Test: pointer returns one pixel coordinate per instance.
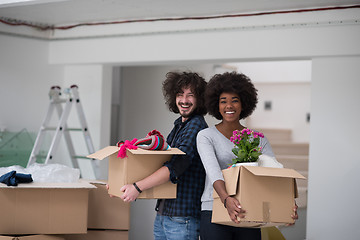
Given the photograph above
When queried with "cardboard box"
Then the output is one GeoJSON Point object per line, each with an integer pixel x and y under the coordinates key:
{"type": "Point", "coordinates": [139, 164]}
{"type": "Point", "coordinates": [44, 208]}
{"type": "Point", "coordinates": [99, 235]}
{"type": "Point", "coordinates": [107, 212]}
{"type": "Point", "coordinates": [31, 237]}
{"type": "Point", "coordinates": [267, 194]}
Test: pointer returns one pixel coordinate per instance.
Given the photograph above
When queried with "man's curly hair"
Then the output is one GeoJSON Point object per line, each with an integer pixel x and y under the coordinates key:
{"type": "Point", "coordinates": [231, 82]}
{"type": "Point", "coordinates": [176, 81]}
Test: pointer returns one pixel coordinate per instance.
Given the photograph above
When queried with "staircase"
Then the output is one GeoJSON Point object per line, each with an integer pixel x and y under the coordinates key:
{"type": "Point", "coordinates": [291, 155]}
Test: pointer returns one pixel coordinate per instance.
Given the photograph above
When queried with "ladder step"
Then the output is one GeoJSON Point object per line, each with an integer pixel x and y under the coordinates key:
{"type": "Point", "coordinates": [58, 101]}
{"type": "Point", "coordinates": [84, 157]}
{"type": "Point", "coordinates": [67, 129]}
{"type": "Point", "coordinates": [74, 129]}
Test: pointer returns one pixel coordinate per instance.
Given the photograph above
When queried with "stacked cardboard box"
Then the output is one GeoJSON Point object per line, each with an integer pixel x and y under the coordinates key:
{"type": "Point", "coordinates": [108, 218]}
{"type": "Point", "coordinates": [34, 209]}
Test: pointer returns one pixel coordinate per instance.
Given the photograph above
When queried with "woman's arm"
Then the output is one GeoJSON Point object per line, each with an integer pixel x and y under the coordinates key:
{"type": "Point", "coordinates": [207, 150]}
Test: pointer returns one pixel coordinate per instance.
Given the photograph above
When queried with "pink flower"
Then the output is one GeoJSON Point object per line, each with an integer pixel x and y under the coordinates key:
{"type": "Point", "coordinates": [247, 141]}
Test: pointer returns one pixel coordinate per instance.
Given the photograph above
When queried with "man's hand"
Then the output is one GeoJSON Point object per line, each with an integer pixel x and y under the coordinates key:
{"type": "Point", "coordinates": [129, 193]}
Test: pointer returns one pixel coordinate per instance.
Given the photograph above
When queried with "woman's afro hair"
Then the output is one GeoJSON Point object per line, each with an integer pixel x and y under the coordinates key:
{"type": "Point", "coordinates": [231, 82]}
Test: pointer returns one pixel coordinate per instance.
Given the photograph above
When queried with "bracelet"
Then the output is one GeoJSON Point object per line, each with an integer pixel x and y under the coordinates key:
{"type": "Point", "coordinates": [137, 188]}
{"type": "Point", "coordinates": [225, 201]}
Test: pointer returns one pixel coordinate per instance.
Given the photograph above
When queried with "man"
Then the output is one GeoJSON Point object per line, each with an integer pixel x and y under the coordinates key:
{"type": "Point", "coordinates": [179, 219]}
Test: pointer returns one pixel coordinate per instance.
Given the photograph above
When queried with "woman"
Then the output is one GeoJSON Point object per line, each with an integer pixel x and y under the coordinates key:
{"type": "Point", "coordinates": [230, 97]}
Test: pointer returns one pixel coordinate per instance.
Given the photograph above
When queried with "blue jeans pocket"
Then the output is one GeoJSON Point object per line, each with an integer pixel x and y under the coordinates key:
{"type": "Point", "coordinates": [182, 220]}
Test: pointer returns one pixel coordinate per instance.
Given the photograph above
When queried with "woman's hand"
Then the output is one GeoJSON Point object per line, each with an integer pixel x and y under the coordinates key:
{"type": "Point", "coordinates": [234, 209]}
{"type": "Point", "coordinates": [294, 215]}
{"type": "Point", "coordinates": [130, 193]}
{"type": "Point", "coordinates": [231, 204]}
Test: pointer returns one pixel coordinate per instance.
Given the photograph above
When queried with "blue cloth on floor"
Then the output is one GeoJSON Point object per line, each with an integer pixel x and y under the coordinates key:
{"type": "Point", "coordinates": [12, 178]}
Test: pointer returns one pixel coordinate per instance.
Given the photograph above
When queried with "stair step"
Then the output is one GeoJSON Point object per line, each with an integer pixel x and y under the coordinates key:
{"type": "Point", "coordinates": [277, 135]}
{"type": "Point", "coordinates": [297, 162]}
{"type": "Point", "coordinates": [290, 148]}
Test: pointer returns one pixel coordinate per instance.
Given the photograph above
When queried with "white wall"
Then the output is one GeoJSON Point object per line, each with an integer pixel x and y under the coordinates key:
{"type": "Point", "coordinates": [286, 84]}
{"type": "Point", "coordinates": [294, 71]}
{"type": "Point", "coordinates": [290, 104]}
{"type": "Point", "coordinates": [26, 59]}
{"type": "Point", "coordinates": [25, 81]}
{"type": "Point", "coordinates": [334, 160]}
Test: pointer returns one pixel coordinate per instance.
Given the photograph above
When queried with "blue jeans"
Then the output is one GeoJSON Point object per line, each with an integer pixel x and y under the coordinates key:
{"type": "Point", "coordinates": [176, 228]}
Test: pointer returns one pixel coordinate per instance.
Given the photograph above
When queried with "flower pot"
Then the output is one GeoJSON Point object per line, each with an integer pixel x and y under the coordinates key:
{"type": "Point", "coordinates": [247, 164]}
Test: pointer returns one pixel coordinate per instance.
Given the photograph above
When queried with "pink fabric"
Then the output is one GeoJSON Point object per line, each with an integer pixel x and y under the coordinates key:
{"type": "Point", "coordinates": [155, 132]}
{"type": "Point", "coordinates": [126, 145]}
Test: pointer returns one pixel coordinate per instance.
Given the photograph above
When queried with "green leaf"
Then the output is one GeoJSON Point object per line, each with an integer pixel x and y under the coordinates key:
{"type": "Point", "coordinates": [235, 151]}
{"type": "Point", "coordinates": [241, 154]}
{"type": "Point", "coordinates": [255, 155]}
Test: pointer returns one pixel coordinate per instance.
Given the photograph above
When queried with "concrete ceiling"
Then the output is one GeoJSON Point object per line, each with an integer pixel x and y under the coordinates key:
{"type": "Point", "coordinates": [62, 12]}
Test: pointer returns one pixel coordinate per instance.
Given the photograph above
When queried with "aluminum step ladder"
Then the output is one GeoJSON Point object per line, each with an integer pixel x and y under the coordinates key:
{"type": "Point", "coordinates": [62, 128]}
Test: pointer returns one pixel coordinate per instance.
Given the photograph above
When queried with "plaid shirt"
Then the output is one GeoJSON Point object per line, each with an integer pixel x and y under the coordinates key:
{"type": "Point", "coordinates": [185, 170]}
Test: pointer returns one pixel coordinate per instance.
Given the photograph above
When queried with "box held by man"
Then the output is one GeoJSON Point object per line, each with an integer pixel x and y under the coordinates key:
{"type": "Point", "coordinates": [138, 164]}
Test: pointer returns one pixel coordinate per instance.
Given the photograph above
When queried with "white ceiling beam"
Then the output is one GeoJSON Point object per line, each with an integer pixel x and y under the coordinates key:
{"type": "Point", "coordinates": [13, 3]}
